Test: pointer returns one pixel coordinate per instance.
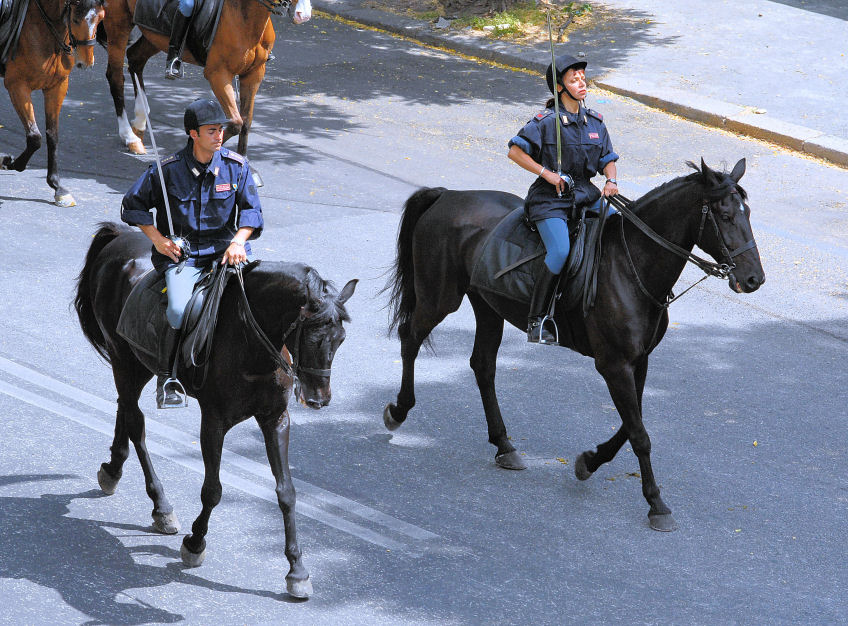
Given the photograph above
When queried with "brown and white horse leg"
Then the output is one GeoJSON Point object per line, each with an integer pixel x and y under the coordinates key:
{"type": "Point", "coordinates": [119, 31]}
{"type": "Point", "coordinates": [21, 97]}
{"type": "Point", "coordinates": [275, 430]}
{"type": "Point", "coordinates": [53, 99]}
{"type": "Point", "coordinates": [248, 88]}
{"type": "Point", "coordinates": [137, 56]}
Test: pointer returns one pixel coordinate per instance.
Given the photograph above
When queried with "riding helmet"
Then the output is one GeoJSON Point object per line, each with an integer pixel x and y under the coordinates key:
{"type": "Point", "coordinates": [563, 63]}
{"type": "Point", "coordinates": [203, 111]}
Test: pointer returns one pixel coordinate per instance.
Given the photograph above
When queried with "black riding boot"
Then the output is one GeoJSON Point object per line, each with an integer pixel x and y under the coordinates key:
{"type": "Point", "coordinates": [169, 392]}
{"type": "Point", "coordinates": [179, 29]}
{"type": "Point", "coordinates": [539, 326]}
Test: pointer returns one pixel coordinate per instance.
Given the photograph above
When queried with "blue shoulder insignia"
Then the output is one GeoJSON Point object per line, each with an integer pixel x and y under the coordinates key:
{"type": "Point", "coordinates": [171, 159]}
{"type": "Point", "coordinates": [543, 114]}
{"type": "Point", "coordinates": [595, 114]}
{"type": "Point", "coordinates": [233, 156]}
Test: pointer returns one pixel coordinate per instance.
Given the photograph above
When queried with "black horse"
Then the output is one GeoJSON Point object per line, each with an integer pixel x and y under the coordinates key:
{"type": "Point", "coordinates": [440, 238]}
{"type": "Point", "coordinates": [243, 377]}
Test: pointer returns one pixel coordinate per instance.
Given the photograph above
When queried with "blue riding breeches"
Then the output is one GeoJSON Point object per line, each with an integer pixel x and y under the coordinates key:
{"type": "Point", "coordinates": [554, 233]}
{"type": "Point", "coordinates": [187, 7]}
{"type": "Point", "coordinates": [179, 289]}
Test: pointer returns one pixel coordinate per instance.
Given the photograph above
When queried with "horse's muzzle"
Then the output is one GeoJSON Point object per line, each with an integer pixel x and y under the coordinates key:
{"type": "Point", "coordinates": [750, 284]}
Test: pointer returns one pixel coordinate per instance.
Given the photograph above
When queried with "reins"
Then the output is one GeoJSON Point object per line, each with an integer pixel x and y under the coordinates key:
{"type": "Point", "coordinates": [66, 15]}
{"type": "Point", "coordinates": [710, 268]}
{"type": "Point", "coordinates": [277, 8]}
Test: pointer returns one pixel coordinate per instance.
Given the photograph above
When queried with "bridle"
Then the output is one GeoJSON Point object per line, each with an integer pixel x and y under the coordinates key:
{"type": "Point", "coordinates": [710, 268]}
{"type": "Point", "coordinates": [277, 7]}
{"type": "Point", "coordinates": [66, 16]}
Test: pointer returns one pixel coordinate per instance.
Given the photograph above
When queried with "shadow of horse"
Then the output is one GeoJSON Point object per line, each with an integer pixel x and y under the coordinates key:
{"type": "Point", "coordinates": [88, 566]}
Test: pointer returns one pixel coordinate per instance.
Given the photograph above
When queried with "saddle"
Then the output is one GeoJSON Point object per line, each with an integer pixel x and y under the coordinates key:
{"type": "Point", "coordinates": [158, 16]}
{"type": "Point", "coordinates": [513, 254]}
{"type": "Point", "coordinates": [12, 14]}
{"type": "Point", "coordinates": [143, 319]}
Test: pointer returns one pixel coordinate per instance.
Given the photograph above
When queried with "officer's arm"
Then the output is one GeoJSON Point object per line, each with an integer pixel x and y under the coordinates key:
{"type": "Point", "coordinates": [137, 202]}
{"type": "Point", "coordinates": [250, 208]}
{"type": "Point", "coordinates": [524, 160]}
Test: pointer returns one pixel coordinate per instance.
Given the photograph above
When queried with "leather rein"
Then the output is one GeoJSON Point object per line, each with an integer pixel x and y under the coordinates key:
{"type": "Point", "coordinates": [710, 268]}
{"type": "Point", "coordinates": [66, 16]}
{"type": "Point", "coordinates": [277, 7]}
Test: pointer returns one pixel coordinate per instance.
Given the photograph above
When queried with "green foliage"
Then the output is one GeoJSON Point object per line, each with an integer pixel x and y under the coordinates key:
{"type": "Point", "coordinates": [514, 21]}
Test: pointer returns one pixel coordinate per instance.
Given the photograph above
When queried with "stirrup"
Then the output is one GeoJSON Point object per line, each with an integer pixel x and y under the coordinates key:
{"type": "Point", "coordinates": [541, 330]}
{"type": "Point", "coordinates": [174, 69]}
{"type": "Point", "coordinates": [172, 386]}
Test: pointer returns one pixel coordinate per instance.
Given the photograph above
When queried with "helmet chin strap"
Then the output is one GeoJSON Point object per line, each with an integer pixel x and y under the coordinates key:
{"type": "Point", "coordinates": [565, 89]}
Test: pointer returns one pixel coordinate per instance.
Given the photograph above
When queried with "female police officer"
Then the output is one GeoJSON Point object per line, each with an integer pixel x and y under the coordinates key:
{"type": "Point", "coordinates": [214, 208]}
{"type": "Point", "coordinates": [551, 199]}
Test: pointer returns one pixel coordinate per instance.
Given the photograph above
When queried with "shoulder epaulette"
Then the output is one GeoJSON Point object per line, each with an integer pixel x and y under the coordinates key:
{"type": "Point", "coordinates": [234, 156]}
{"type": "Point", "coordinates": [595, 114]}
{"type": "Point", "coordinates": [542, 114]}
{"type": "Point", "coordinates": [171, 159]}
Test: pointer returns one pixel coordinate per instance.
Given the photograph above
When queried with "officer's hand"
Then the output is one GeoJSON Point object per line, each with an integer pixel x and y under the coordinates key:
{"type": "Point", "coordinates": [168, 248]}
{"type": "Point", "coordinates": [610, 189]}
{"type": "Point", "coordinates": [234, 254]}
{"type": "Point", "coordinates": [554, 179]}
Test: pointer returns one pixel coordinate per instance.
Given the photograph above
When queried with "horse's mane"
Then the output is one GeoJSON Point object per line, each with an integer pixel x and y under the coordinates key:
{"type": "Point", "coordinates": [321, 295]}
{"type": "Point", "coordinates": [725, 182]}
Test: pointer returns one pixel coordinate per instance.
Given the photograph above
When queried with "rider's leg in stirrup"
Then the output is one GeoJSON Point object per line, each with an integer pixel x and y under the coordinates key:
{"type": "Point", "coordinates": [179, 284]}
{"type": "Point", "coordinates": [541, 327]}
{"type": "Point", "coordinates": [179, 30]}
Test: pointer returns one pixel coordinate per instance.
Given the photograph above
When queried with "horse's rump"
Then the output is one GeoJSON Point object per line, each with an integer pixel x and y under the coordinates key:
{"type": "Point", "coordinates": [158, 17]}
{"type": "Point", "coordinates": [12, 14]}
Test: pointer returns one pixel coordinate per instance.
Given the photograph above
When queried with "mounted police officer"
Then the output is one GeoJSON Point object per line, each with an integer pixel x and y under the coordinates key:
{"type": "Point", "coordinates": [553, 198]}
{"type": "Point", "coordinates": [214, 208]}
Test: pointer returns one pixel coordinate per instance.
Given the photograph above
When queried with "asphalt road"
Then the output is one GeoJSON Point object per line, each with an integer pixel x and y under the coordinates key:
{"type": "Point", "coordinates": [745, 398]}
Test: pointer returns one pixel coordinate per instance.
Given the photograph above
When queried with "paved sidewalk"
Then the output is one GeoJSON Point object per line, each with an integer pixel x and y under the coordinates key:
{"type": "Point", "coordinates": [761, 68]}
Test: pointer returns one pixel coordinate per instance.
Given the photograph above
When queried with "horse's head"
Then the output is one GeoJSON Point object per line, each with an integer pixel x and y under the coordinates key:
{"type": "Point", "coordinates": [725, 227]}
{"type": "Point", "coordinates": [83, 16]}
{"type": "Point", "coordinates": [320, 334]}
{"type": "Point", "coordinates": [300, 12]}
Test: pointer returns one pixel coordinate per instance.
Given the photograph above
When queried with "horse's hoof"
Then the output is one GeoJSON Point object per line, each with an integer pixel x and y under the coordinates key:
{"type": "Point", "coordinates": [5, 162]}
{"type": "Point", "coordinates": [664, 523]}
{"type": "Point", "coordinates": [299, 588]}
{"type": "Point", "coordinates": [136, 147]}
{"type": "Point", "coordinates": [510, 461]}
{"type": "Point", "coordinates": [581, 470]}
{"type": "Point", "coordinates": [388, 420]}
{"type": "Point", "coordinates": [166, 523]}
{"type": "Point", "coordinates": [108, 485]}
{"type": "Point", "coordinates": [65, 200]}
{"type": "Point", "coordinates": [190, 559]}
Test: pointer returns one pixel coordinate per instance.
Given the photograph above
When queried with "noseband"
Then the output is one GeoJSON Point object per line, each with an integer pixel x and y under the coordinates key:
{"type": "Point", "coordinates": [66, 16]}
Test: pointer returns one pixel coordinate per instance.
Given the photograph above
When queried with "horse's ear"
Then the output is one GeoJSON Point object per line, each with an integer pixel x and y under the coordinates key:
{"type": "Point", "coordinates": [347, 291]}
{"type": "Point", "coordinates": [738, 170]}
{"type": "Point", "coordinates": [708, 174]}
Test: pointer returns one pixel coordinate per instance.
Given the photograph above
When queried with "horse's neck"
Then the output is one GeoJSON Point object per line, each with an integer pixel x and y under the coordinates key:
{"type": "Point", "coordinates": [252, 15]}
{"type": "Point", "coordinates": [673, 217]}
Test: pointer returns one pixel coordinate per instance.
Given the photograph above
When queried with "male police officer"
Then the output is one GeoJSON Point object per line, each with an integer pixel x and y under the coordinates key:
{"type": "Point", "coordinates": [214, 208]}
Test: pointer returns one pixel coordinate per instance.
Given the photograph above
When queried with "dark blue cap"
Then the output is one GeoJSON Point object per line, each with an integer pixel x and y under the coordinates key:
{"type": "Point", "coordinates": [563, 63]}
{"type": "Point", "coordinates": [203, 111]}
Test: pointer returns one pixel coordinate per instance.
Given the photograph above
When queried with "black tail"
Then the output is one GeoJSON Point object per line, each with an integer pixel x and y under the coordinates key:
{"type": "Point", "coordinates": [83, 300]}
{"type": "Point", "coordinates": [401, 285]}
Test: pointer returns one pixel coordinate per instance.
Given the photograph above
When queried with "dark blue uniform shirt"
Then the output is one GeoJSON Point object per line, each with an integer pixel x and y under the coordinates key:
{"type": "Point", "coordinates": [586, 150]}
{"type": "Point", "coordinates": [208, 205]}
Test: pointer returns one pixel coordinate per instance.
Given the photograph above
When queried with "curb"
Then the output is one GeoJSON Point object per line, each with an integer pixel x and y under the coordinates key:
{"type": "Point", "coordinates": [733, 117]}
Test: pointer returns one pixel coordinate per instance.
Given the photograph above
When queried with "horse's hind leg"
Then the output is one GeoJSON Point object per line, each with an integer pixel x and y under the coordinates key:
{"type": "Point", "coordinates": [275, 430]}
{"type": "Point", "coordinates": [193, 550]}
{"type": "Point", "coordinates": [137, 57]}
{"type": "Point", "coordinates": [487, 340]}
{"type": "Point", "coordinates": [622, 381]}
{"type": "Point", "coordinates": [53, 99]}
{"type": "Point", "coordinates": [119, 25]}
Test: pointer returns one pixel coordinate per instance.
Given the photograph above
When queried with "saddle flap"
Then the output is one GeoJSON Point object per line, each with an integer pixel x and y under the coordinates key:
{"type": "Point", "coordinates": [143, 319]}
{"type": "Point", "coordinates": [12, 14]}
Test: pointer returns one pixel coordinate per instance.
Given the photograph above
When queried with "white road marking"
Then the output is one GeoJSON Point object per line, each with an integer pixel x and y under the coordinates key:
{"type": "Point", "coordinates": [312, 500]}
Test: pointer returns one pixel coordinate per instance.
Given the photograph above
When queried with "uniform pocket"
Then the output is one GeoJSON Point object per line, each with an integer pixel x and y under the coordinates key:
{"type": "Point", "coordinates": [219, 209]}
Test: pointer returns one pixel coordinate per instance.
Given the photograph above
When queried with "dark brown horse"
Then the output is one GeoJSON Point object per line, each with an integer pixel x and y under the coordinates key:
{"type": "Point", "coordinates": [241, 46]}
{"type": "Point", "coordinates": [440, 239]}
{"type": "Point", "coordinates": [55, 36]}
{"type": "Point", "coordinates": [295, 309]}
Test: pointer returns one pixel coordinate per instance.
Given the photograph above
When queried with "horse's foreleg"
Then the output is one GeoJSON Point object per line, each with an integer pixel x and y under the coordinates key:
{"type": "Point", "coordinates": [412, 335]}
{"type": "Point", "coordinates": [119, 31]}
{"type": "Point", "coordinates": [622, 384]}
{"type": "Point", "coordinates": [248, 88]}
{"type": "Point", "coordinates": [588, 462]}
{"type": "Point", "coordinates": [276, 434]}
{"type": "Point", "coordinates": [20, 95]}
{"type": "Point", "coordinates": [137, 56]}
{"type": "Point", "coordinates": [487, 340]}
{"type": "Point", "coordinates": [221, 82]}
{"type": "Point", "coordinates": [53, 99]}
{"type": "Point", "coordinates": [193, 550]}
